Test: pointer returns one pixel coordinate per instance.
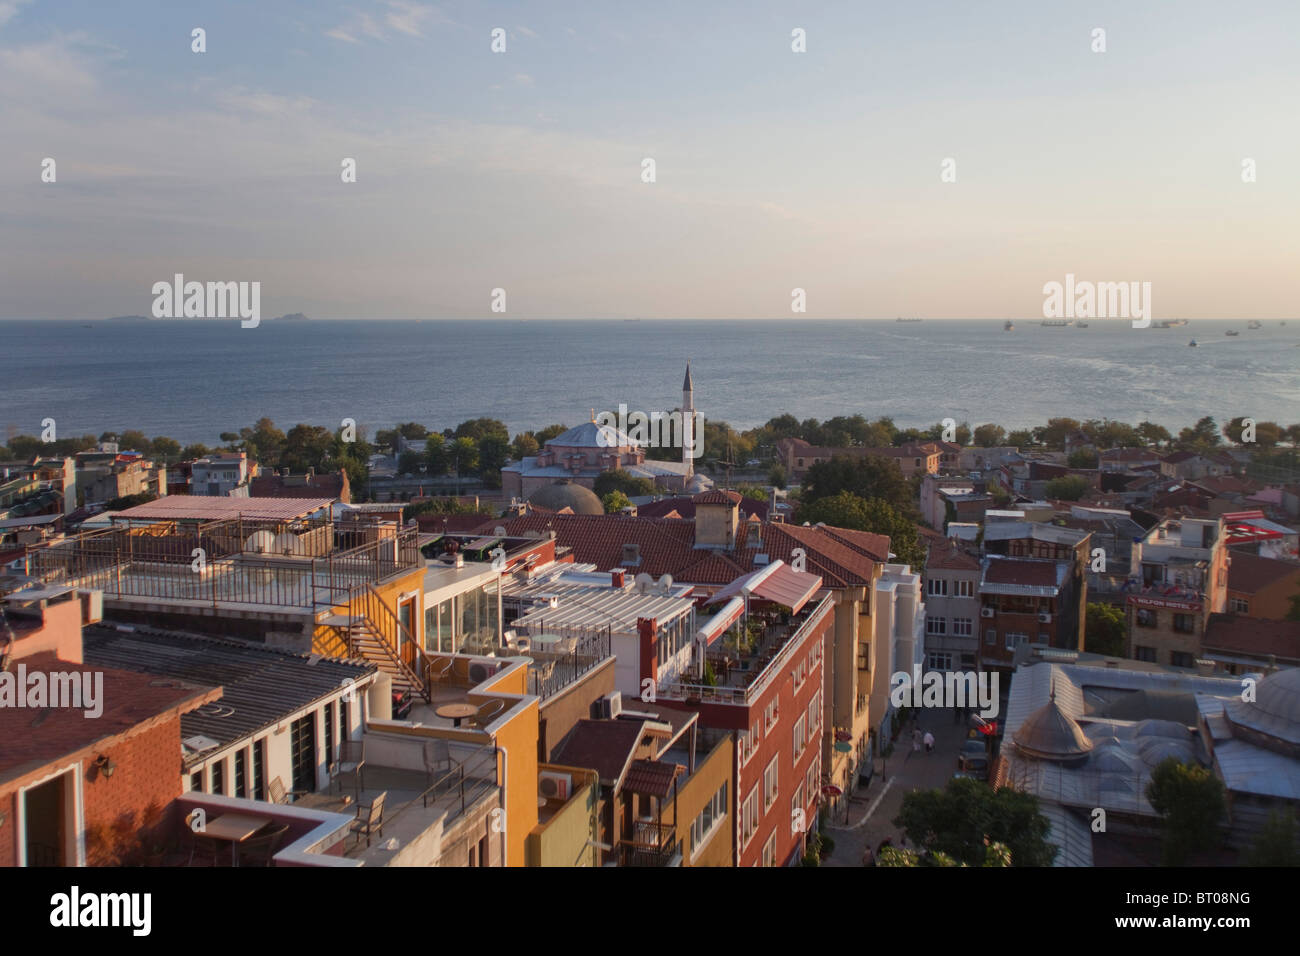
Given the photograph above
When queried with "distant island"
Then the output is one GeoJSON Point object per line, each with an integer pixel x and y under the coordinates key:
{"type": "Point", "coordinates": [292, 317]}
{"type": "Point", "coordinates": [129, 318]}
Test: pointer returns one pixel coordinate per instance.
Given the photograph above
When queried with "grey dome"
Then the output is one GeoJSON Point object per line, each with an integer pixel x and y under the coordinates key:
{"type": "Point", "coordinates": [1049, 733]}
{"type": "Point", "coordinates": [565, 494]}
{"type": "Point", "coordinates": [1275, 711]}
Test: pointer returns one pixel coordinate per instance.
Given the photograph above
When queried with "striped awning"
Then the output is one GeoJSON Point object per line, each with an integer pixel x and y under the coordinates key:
{"type": "Point", "coordinates": [778, 583]}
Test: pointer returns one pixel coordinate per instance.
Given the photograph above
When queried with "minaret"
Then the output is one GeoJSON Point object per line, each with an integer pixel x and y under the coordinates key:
{"type": "Point", "coordinates": [688, 422]}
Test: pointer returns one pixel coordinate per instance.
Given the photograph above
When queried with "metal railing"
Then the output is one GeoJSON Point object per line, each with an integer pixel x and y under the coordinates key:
{"type": "Point", "coordinates": [551, 672]}
{"type": "Point", "coordinates": [459, 788]}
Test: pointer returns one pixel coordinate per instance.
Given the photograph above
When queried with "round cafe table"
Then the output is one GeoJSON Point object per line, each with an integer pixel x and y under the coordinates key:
{"type": "Point", "coordinates": [456, 712]}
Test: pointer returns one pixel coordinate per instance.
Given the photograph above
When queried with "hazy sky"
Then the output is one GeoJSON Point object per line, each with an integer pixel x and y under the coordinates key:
{"type": "Point", "coordinates": [775, 169]}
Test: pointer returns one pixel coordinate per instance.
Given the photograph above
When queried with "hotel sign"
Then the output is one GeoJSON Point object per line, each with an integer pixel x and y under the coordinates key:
{"type": "Point", "coordinates": [1141, 601]}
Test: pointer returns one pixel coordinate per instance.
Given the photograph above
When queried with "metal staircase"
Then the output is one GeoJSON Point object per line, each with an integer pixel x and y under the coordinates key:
{"type": "Point", "coordinates": [371, 631]}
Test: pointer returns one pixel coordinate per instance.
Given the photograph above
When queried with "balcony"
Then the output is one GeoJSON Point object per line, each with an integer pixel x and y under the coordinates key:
{"type": "Point", "coordinates": [746, 660]}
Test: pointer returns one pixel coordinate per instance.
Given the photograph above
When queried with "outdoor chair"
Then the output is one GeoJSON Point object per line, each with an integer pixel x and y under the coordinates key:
{"type": "Point", "coordinates": [351, 760]}
{"type": "Point", "coordinates": [207, 849]}
{"type": "Point", "coordinates": [260, 848]}
{"type": "Point", "coordinates": [277, 794]}
{"type": "Point", "coordinates": [437, 757]}
{"type": "Point", "coordinates": [486, 713]}
{"type": "Point", "coordinates": [370, 818]}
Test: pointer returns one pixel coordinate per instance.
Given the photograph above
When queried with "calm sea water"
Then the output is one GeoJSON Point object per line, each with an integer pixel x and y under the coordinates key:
{"type": "Point", "coordinates": [193, 380]}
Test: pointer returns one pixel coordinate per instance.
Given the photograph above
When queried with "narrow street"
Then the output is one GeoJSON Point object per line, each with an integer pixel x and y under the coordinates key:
{"type": "Point", "coordinates": [872, 810]}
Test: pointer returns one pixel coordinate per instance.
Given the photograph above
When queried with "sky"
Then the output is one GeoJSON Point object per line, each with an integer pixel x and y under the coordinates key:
{"type": "Point", "coordinates": [774, 170]}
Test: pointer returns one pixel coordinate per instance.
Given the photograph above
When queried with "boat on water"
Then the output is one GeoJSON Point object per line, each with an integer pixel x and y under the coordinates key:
{"type": "Point", "coordinates": [907, 320]}
{"type": "Point", "coordinates": [1081, 325]}
{"type": "Point", "coordinates": [1009, 327]}
{"type": "Point", "coordinates": [1056, 323]}
{"type": "Point", "coordinates": [1192, 343]}
{"type": "Point", "coordinates": [1170, 324]}
{"type": "Point", "coordinates": [1232, 332]}
{"type": "Point", "coordinates": [1254, 324]}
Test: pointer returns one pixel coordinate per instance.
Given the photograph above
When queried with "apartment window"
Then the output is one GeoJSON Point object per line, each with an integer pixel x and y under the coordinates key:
{"type": "Point", "coordinates": [749, 816]}
{"type": "Point", "coordinates": [936, 625]}
{"type": "Point", "coordinates": [219, 777]}
{"type": "Point", "coordinates": [241, 773]}
{"type": "Point", "coordinates": [1015, 639]}
{"type": "Point", "coordinates": [329, 733]}
{"type": "Point", "coordinates": [938, 587]}
{"type": "Point", "coordinates": [813, 778]}
{"type": "Point", "coordinates": [749, 742]}
{"type": "Point", "coordinates": [709, 819]}
{"type": "Point", "coordinates": [814, 713]}
{"type": "Point", "coordinates": [1238, 606]}
{"type": "Point", "coordinates": [965, 589]}
{"type": "Point", "coordinates": [963, 626]}
{"type": "Point", "coordinates": [1185, 623]}
{"type": "Point", "coordinates": [769, 850]}
{"type": "Point", "coordinates": [800, 736]}
{"type": "Point", "coordinates": [797, 809]}
{"type": "Point", "coordinates": [259, 769]}
{"type": "Point", "coordinates": [771, 784]}
{"type": "Point", "coordinates": [1141, 653]}
{"type": "Point", "coordinates": [940, 661]}
{"type": "Point", "coordinates": [771, 714]}
{"type": "Point", "coordinates": [1146, 617]}
{"type": "Point", "coordinates": [990, 636]}
{"type": "Point", "coordinates": [800, 673]}
{"type": "Point", "coordinates": [196, 781]}
{"type": "Point", "coordinates": [1182, 659]}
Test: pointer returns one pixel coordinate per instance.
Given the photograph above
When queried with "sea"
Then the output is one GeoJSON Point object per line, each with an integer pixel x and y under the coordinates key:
{"type": "Point", "coordinates": [193, 379]}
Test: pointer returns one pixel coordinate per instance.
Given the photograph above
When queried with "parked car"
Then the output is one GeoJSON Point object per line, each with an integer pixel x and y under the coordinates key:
{"type": "Point", "coordinates": [973, 747]}
{"type": "Point", "coordinates": [972, 766]}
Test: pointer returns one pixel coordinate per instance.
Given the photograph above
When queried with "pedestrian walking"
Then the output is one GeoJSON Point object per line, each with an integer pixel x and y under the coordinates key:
{"type": "Point", "coordinates": [929, 743]}
{"type": "Point", "coordinates": [916, 741]}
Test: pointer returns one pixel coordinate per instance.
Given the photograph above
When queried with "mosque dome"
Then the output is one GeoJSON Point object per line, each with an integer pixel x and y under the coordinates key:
{"type": "Point", "coordinates": [1049, 733]}
{"type": "Point", "coordinates": [565, 494]}
{"type": "Point", "coordinates": [1272, 719]}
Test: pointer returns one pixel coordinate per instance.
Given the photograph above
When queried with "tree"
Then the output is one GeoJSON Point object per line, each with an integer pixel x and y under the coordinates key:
{"type": "Point", "coordinates": [1067, 488]}
{"type": "Point", "coordinates": [524, 446]}
{"type": "Point", "coordinates": [1190, 799]}
{"type": "Point", "coordinates": [753, 492]}
{"type": "Point", "coordinates": [1105, 630]}
{"type": "Point", "coordinates": [1083, 458]}
{"type": "Point", "coordinates": [620, 480]}
{"type": "Point", "coordinates": [1020, 437]}
{"type": "Point", "coordinates": [1276, 844]}
{"type": "Point", "coordinates": [549, 432]}
{"type": "Point", "coordinates": [442, 506]}
{"type": "Point", "coordinates": [464, 456]}
{"type": "Point", "coordinates": [196, 450]}
{"type": "Point", "coordinates": [866, 477]}
{"type": "Point", "coordinates": [493, 453]}
{"type": "Point", "coordinates": [989, 436]}
{"type": "Point", "coordinates": [133, 440]}
{"type": "Point", "coordinates": [1153, 434]}
{"type": "Point", "coordinates": [165, 449]}
{"type": "Point", "coordinates": [437, 456]}
{"type": "Point", "coordinates": [1053, 433]}
{"type": "Point", "coordinates": [1201, 436]}
{"type": "Point", "coordinates": [479, 428]}
{"type": "Point", "coordinates": [615, 501]}
{"type": "Point", "coordinates": [263, 442]}
{"type": "Point", "coordinates": [777, 477]}
{"type": "Point", "coordinates": [409, 462]}
{"type": "Point", "coordinates": [847, 510]}
{"type": "Point", "coordinates": [995, 854]}
{"type": "Point", "coordinates": [967, 817]}
{"type": "Point", "coordinates": [306, 446]}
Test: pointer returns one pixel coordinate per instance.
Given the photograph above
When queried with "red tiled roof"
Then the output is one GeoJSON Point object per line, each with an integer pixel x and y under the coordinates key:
{"type": "Point", "coordinates": [130, 701]}
{"type": "Point", "coordinates": [652, 778]}
{"type": "Point", "coordinates": [1250, 635]}
{"type": "Point", "coordinates": [1250, 573]}
{"type": "Point", "coordinates": [945, 557]}
{"type": "Point", "coordinates": [297, 486]}
{"type": "Point", "coordinates": [605, 746]}
{"type": "Point", "coordinates": [718, 497]}
{"type": "Point", "coordinates": [683, 507]}
{"type": "Point", "coordinates": [1039, 574]}
{"type": "Point", "coordinates": [667, 546]}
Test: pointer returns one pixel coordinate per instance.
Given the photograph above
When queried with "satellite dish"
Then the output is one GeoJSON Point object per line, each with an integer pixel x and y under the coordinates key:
{"type": "Point", "coordinates": [644, 582]}
{"type": "Point", "coordinates": [260, 542]}
{"type": "Point", "coordinates": [666, 583]}
{"type": "Point", "coordinates": [286, 543]}
{"type": "Point", "coordinates": [499, 530]}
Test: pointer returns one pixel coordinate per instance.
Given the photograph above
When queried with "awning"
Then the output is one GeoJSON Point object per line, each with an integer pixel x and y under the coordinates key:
{"type": "Point", "coordinates": [778, 583]}
{"type": "Point", "coordinates": [717, 625]}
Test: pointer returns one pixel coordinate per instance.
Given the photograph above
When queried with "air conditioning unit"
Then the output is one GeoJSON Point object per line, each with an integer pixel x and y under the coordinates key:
{"type": "Point", "coordinates": [554, 786]}
{"type": "Point", "coordinates": [480, 671]}
{"type": "Point", "coordinates": [986, 612]}
{"type": "Point", "coordinates": [1044, 618]}
{"type": "Point", "coordinates": [608, 707]}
